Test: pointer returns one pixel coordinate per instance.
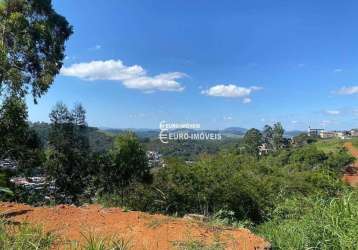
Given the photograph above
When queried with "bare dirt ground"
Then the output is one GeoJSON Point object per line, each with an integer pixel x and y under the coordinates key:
{"type": "Point", "coordinates": [144, 231]}
{"type": "Point", "coordinates": [351, 174]}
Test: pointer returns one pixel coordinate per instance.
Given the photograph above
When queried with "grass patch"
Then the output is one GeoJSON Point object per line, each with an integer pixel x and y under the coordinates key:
{"type": "Point", "coordinates": [24, 237]}
{"type": "Point", "coordinates": [94, 242]}
{"type": "Point", "coordinates": [319, 224]}
{"type": "Point", "coordinates": [27, 237]}
{"type": "Point", "coordinates": [355, 142]}
{"type": "Point", "coordinates": [330, 145]}
{"type": "Point", "coordinates": [225, 218]}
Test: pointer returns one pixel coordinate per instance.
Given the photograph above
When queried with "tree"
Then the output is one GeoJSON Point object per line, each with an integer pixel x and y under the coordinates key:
{"type": "Point", "coordinates": [267, 135]}
{"type": "Point", "coordinates": [69, 155]}
{"type": "Point", "coordinates": [32, 44]}
{"type": "Point", "coordinates": [79, 115]}
{"type": "Point", "coordinates": [303, 139]}
{"type": "Point", "coordinates": [18, 141]}
{"type": "Point", "coordinates": [130, 164]}
{"type": "Point", "coordinates": [278, 140]}
{"type": "Point", "coordinates": [13, 125]}
{"type": "Point", "coordinates": [252, 141]}
{"type": "Point", "coordinates": [273, 136]}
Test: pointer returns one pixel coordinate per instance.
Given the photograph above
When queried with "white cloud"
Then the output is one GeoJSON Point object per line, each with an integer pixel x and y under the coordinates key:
{"type": "Point", "coordinates": [163, 82]}
{"type": "Point", "coordinates": [294, 122]}
{"type": "Point", "coordinates": [228, 118]}
{"type": "Point", "coordinates": [348, 90]}
{"type": "Point", "coordinates": [231, 91]}
{"type": "Point", "coordinates": [246, 100]}
{"type": "Point", "coordinates": [133, 77]}
{"type": "Point", "coordinates": [337, 70]}
{"type": "Point", "coordinates": [332, 112]}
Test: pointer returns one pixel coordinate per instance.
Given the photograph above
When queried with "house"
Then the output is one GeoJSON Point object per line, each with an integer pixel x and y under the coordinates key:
{"type": "Point", "coordinates": [335, 134]}
{"type": "Point", "coordinates": [264, 149]}
{"type": "Point", "coordinates": [314, 131]}
{"type": "Point", "coordinates": [343, 134]}
{"type": "Point", "coordinates": [354, 132]}
{"type": "Point", "coordinates": [327, 134]}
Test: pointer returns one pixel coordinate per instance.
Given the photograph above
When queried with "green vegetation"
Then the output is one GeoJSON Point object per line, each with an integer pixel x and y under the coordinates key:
{"type": "Point", "coordinates": [314, 223]}
{"type": "Point", "coordinates": [67, 157]}
{"type": "Point", "coordinates": [355, 142]}
{"type": "Point", "coordinates": [329, 145]}
{"type": "Point", "coordinates": [252, 140]}
{"type": "Point", "coordinates": [247, 186]}
{"type": "Point", "coordinates": [191, 150]}
{"type": "Point", "coordinates": [24, 237]}
{"type": "Point", "coordinates": [93, 242]}
{"type": "Point", "coordinates": [31, 46]}
{"type": "Point", "coordinates": [99, 141]}
{"type": "Point", "coordinates": [17, 140]}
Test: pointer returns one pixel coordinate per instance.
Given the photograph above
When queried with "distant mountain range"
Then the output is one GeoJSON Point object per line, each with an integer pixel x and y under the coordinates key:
{"type": "Point", "coordinates": [232, 132]}
{"type": "Point", "coordinates": [293, 133]}
{"type": "Point", "coordinates": [227, 132]}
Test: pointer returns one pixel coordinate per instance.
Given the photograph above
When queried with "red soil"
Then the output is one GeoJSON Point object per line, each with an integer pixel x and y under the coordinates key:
{"type": "Point", "coordinates": [351, 174]}
{"type": "Point", "coordinates": [144, 231]}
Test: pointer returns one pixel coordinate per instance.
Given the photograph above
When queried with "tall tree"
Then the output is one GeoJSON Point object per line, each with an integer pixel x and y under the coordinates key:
{"type": "Point", "coordinates": [32, 44]}
{"type": "Point", "coordinates": [267, 134]}
{"type": "Point", "coordinates": [278, 140]}
{"type": "Point", "coordinates": [81, 129]}
{"type": "Point", "coordinates": [79, 115]}
{"type": "Point", "coordinates": [252, 141]}
{"type": "Point", "coordinates": [17, 140]}
{"type": "Point", "coordinates": [68, 155]}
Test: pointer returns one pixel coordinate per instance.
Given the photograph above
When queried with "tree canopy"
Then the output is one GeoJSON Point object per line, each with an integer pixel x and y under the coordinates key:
{"type": "Point", "coordinates": [32, 44]}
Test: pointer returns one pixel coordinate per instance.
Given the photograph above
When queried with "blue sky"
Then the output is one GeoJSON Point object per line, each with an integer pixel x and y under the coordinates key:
{"type": "Point", "coordinates": [134, 63]}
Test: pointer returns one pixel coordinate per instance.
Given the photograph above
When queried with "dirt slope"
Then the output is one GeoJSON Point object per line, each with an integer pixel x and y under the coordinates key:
{"type": "Point", "coordinates": [351, 174]}
{"type": "Point", "coordinates": [143, 230]}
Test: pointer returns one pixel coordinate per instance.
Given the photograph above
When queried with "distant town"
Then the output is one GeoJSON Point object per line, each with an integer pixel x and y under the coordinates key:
{"type": "Point", "coordinates": [322, 133]}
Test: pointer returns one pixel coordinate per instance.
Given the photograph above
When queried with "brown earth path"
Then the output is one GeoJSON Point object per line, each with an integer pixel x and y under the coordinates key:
{"type": "Point", "coordinates": [144, 231]}
{"type": "Point", "coordinates": [351, 174]}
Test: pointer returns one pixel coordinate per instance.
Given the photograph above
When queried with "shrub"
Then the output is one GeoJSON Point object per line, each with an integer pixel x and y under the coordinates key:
{"type": "Point", "coordinates": [93, 242]}
{"type": "Point", "coordinates": [249, 187]}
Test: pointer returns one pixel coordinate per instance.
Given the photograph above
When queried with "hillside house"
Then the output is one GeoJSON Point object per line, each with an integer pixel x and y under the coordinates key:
{"type": "Point", "coordinates": [327, 134]}
{"type": "Point", "coordinates": [314, 131]}
{"type": "Point", "coordinates": [342, 134]}
{"type": "Point", "coordinates": [354, 132]}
